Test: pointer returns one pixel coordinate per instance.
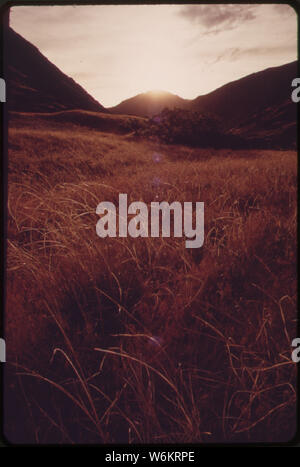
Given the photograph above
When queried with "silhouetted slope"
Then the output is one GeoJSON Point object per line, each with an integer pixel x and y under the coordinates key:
{"type": "Point", "coordinates": [258, 108]}
{"type": "Point", "coordinates": [236, 101]}
{"type": "Point", "coordinates": [34, 84]}
{"type": "Point", "coordinates": [149, 103]}
{"type": "Point", "coordinates": [232, 102]}
{"type": "Point", "coordinates": [273, 127]}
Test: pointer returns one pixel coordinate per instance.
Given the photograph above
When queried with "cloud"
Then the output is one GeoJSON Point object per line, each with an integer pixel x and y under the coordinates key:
{"type": "Point", "coordinates": [216, 16]}
{"type": "Point", "coordinates": [237, 53]}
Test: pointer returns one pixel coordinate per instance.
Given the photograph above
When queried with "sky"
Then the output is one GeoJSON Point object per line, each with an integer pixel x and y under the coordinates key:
{"type": "Point", "coordinates": [115, 52]}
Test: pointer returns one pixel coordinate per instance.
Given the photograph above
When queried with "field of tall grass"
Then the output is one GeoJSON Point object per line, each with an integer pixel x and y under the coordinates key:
{"type": "Point", "coordinates": [142, 340]}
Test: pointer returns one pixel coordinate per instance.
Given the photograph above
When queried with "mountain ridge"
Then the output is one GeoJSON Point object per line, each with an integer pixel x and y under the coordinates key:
{"type": "Point", "coordinates": [257, 107]}
{"type": "Point", "coordinates": [147, 104]}
{"type": "Point", "coordinates": [35, 84]}
{"type": "Point", "coordinates": [231, 101]}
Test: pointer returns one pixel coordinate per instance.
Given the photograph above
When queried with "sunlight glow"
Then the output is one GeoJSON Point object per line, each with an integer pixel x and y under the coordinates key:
{"type": "Point", "coordinates": [118, 51]}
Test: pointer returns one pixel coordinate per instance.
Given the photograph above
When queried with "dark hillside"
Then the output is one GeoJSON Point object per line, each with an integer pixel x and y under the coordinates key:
{"type": "Point", "coordinates": [34, 84]}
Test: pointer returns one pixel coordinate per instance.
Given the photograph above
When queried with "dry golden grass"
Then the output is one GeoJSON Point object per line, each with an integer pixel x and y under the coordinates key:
{"type": "Point", "coordinates": [142, 340]}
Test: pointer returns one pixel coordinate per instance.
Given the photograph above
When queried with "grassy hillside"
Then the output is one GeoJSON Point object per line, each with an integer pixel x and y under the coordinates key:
{"type": "Point", "coordinates": [142, 340]}
{"type": "Point", "coordinates": [72, 119]}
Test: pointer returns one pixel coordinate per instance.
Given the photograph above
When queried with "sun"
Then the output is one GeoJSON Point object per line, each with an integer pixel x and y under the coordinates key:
{"type": "Point", "coordinates": [156, 93]}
